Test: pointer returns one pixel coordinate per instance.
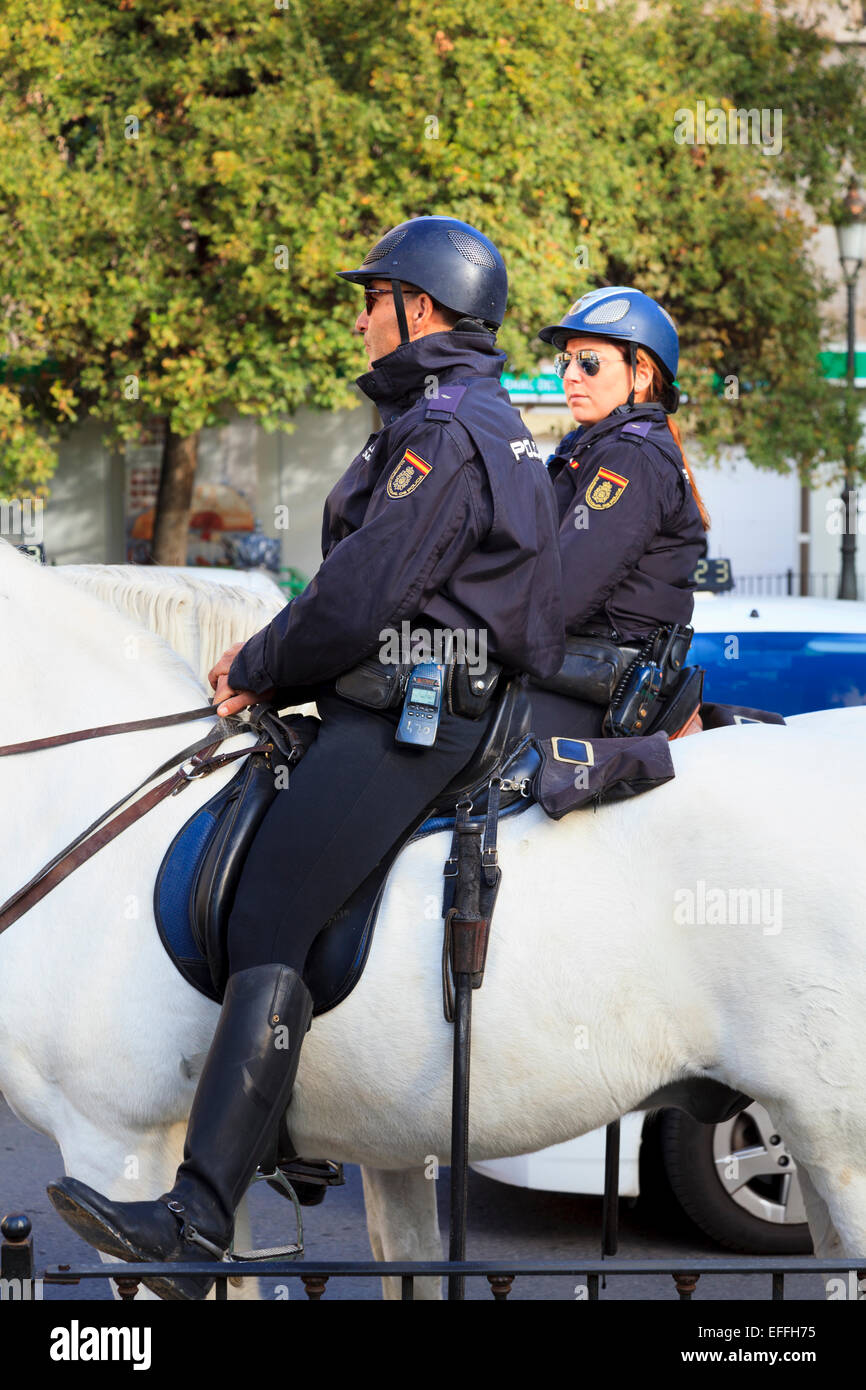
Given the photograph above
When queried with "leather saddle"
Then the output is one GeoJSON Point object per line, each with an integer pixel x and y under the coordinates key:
{"type": "Point", "coordinates": [198, 877]}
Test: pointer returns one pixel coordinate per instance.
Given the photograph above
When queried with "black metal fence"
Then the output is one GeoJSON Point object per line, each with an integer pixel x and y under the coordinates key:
{"type": "Point", "coordinates": [20, 1281]}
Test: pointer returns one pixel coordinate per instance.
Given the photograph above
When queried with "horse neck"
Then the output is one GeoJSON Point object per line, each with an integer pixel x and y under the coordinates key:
{"type": "Point", "coordinates": [71, 662]}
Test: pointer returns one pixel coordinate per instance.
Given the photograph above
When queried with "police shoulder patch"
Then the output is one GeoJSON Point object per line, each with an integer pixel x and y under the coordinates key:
{"type": "Point", "coordinates": [605, 489]}
{"type": "Point", "coordinates": [409, 474]}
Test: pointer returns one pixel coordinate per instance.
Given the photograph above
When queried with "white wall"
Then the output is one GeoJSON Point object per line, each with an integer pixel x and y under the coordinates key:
{"type": "Point", "coordinates": [754, 514]}
{"type": "Point", "coordinates": [83, 518]}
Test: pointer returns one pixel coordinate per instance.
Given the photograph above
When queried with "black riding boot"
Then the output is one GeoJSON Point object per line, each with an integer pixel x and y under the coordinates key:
{"type": "Point", "coordinates": [244, 1088]}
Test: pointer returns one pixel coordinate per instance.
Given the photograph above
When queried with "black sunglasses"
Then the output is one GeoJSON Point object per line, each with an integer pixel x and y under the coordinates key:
{"type": "Point", "coordinates": [370, 297]}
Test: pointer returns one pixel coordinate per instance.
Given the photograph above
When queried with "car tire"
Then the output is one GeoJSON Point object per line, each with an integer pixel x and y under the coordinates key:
{"type": "Point", "coordinates": [736, 1181]}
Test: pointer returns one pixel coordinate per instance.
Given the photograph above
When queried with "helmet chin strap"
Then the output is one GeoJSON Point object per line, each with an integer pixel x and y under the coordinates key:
{"type": "Point", "coordinates": [400, 310]}
{"type": "Point", "coordinates": [627, 406]}
{"type": "Point", "coordinates": [632, 357]}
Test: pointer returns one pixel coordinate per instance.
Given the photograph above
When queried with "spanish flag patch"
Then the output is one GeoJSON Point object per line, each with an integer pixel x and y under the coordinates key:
{"type": "Point", "coordinates": [409, 474]}
{"type": "Point", "coordinates": [605, 489]}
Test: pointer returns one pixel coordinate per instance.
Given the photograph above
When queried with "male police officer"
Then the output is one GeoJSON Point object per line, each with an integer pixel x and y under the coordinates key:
{"type": "Point", "coordinates": [445, 518]}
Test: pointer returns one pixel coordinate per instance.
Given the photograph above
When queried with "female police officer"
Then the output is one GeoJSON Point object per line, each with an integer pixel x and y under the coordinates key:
{"type": "Point", "coordinates": [447, 517]}
{"type": "Point", "coordinates": [632, 525]}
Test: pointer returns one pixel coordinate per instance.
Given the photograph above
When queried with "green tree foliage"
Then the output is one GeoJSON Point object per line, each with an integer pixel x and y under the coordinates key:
{"type": "Point", "coordinates": [181, 181]}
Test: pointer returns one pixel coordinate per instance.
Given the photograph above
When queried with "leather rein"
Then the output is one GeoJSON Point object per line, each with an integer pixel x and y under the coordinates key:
{"type": "Point", "coordinates": [202, 760]}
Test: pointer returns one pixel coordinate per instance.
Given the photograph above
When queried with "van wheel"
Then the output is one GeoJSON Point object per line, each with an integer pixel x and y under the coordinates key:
{"type": "Point", "coordinates": [737, 1181]}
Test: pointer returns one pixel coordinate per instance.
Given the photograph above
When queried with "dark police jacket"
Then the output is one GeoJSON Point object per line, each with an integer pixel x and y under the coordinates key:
{"type": "Point", "coordinates": [630, 531]}
{"type": "Point", "coordinates": [446, 512]}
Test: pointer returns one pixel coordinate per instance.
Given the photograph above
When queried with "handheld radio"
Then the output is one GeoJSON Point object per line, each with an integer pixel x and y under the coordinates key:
{"type": "Point", "coordinates": [631, 706]}
{"type": "Point", "coordinates": [419, 720]}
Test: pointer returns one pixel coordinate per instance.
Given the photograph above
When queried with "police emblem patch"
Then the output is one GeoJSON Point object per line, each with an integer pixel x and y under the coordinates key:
{"type": "Point", "coordinates": [409, 474]}
{"type": "Point", "coordinates": [605, 489]}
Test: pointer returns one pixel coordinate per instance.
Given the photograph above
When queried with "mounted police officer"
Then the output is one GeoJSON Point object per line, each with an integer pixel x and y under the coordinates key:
{"type": "Point", "coordinates": [444, 521]}
{"type": "Point", "coordinates": [632, 524]}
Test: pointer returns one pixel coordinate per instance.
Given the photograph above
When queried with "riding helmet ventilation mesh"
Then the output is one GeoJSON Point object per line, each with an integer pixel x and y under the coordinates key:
{"type": "Point", "coordinates": [383, 247]}
{"type": "Point", "coordinates": [473, 249]}
{"type": "Point", "coordinates": [611, 311]}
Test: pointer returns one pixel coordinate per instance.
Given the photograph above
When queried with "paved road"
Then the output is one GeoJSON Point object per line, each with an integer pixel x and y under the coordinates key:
{"type": "Point", "coordinates": [505, 1223]}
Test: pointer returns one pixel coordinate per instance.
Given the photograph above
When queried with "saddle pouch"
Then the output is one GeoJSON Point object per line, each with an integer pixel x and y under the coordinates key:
{"type": "Point", "coordinates": [575, 772]}
{"type": "Point", "coordinates": [373, 683]}
{"type": "Point", "coordinates": [592, 669]}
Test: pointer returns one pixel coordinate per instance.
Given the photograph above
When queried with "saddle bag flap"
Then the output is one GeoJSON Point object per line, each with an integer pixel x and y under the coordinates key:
{"type": "Point", "coordinates": [592, 669]}
{"type": "Point", "coordinates": [715, 716]}
{"type": "Point", "coordinates": [575, 772]}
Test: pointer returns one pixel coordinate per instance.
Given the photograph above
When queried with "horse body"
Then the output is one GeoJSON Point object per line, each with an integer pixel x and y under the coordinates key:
{"type": "Point", "coordinates": [594, 994]}
{"type": "Point", "coordinates": [598, 989]}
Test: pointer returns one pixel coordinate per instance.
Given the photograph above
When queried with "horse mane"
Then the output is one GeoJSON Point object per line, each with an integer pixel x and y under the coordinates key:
{"type": "Point", "coordinates": [31, 587]}
{"type": "Point", "coordinates": [198, 618]}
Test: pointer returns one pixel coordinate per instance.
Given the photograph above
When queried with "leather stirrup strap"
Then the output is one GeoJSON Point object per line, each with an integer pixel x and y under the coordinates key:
{"type": "Point", "coordinates": [206, 742]}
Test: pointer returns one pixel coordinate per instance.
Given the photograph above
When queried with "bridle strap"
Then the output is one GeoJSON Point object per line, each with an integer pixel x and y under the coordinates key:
{"type": "Point", "coordinates": [58, 740]}
{"type": "Point", "coordinates": [85, 845]}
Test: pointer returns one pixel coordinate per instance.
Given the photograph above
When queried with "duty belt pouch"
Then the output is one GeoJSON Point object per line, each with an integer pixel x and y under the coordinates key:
{"type": "Point", "coordinates": [592, 669]}
{"type": "Point", "coordinates": [680, 648]}
{"type": "Point", "coordinates": [372, 683]}
{"type": "Point", "coordinates": [469, 692]}
{"type": "Point", "coordinates": [575, 772]}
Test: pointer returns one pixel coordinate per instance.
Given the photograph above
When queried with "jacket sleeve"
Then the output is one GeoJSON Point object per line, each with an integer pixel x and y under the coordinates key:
{"type": "Point", "coordinates": [601, 540]}
{"type": "Point", "coordinates": [412, 539]}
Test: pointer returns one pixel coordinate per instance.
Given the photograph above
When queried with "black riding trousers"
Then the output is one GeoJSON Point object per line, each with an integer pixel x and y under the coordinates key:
{"type": "Point", "coordinates": [348, 801]}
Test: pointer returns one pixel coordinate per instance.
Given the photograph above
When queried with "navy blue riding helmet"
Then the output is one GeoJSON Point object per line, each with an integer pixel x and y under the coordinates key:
{"type": "Point", "coordinates": [451, 261]}
{"type": "Point", "coordinates": [620, 313]}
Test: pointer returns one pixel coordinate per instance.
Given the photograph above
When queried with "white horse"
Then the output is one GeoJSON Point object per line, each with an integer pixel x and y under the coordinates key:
{"type": "Point", "coordinates": [603, 982]}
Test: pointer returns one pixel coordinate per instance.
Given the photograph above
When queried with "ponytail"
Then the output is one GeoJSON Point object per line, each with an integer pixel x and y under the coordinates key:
{"type": "Point", "coordinates": [655, 394]}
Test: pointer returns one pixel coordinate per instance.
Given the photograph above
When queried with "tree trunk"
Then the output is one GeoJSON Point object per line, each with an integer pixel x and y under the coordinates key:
{"type": "Point", "coordinates": [174, 503]}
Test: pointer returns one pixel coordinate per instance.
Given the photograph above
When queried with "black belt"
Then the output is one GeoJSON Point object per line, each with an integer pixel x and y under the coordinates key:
{"type": "Point", "coordinates": [595, 664]}
{"type": "Point", "coordinates": [381, 685]}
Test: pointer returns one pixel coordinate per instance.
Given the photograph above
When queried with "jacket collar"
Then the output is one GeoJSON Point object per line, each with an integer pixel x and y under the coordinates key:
{"type": "Point", "coordinates": [613, 423]}
{"type": "Point", "coordinates": [396, 381]}
{"type": "Point", "coordinates": [578, 438]}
